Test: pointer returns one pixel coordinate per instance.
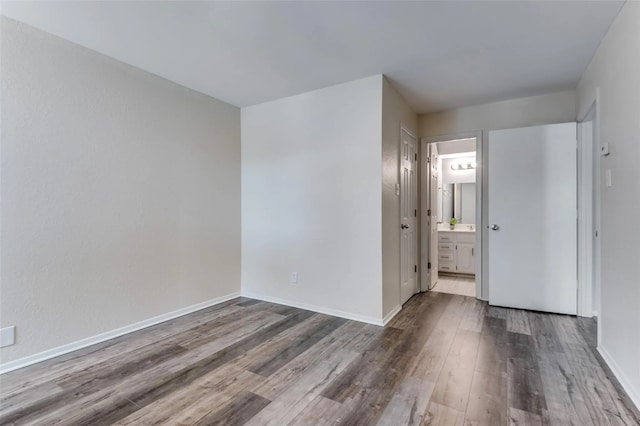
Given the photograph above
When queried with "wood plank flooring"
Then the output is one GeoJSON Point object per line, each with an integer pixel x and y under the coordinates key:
{"type": "Point", "coordinates": [444, 360]}
{"type": "Point", "coordinates": [464, 286]}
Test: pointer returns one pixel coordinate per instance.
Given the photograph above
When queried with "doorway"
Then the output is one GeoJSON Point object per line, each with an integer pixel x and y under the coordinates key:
{"type": "Point", "coordinates": [451, 197]}
{"type": "Point", "coordinates": [589, 217]}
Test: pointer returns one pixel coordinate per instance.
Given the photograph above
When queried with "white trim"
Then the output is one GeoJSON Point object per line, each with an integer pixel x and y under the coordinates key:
{"type": "Point", "coordinates": [634, 394]}
{"type": "Point", "coordinates": [585, 227]}
{"type": "Point", "coordinates": [315, 308]}
{"type": "Point", "coordinates": [387, 318]}
{"type": "Point", "coordinates": [482, 221]}
{"type": "Point", "coordinates": [425, 230]}
{"type": "Point", "coordinates": [588, 198]}
{"type": "Point", "coordinates": [594, 314]}
{"type": "Point", "coordinates": [83, 343]}
{"type": "Point", "coordinates": [406, 129]}
{"type": "Point", "coordinates": [590, 219]}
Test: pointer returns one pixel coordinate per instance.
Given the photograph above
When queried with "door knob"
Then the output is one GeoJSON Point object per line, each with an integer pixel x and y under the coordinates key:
{"type": "Point", "coordinates": [403, 226]}
{"type": "Point", "coordinates": [494, 227]}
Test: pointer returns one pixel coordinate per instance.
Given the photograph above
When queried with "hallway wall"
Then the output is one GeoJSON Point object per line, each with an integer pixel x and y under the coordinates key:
{"type": "Point", "coordinates": [614, 73]}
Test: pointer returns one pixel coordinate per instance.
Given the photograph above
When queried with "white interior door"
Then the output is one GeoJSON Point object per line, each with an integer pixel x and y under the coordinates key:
{"type": "Point", "coordinates": [433, 217]}
{"type": "Point", "coordinates": [408, 217]}
{"type": "Point", "coordinates": [532, 218]}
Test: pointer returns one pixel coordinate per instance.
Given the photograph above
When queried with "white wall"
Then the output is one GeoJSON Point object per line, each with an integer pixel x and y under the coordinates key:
{"type": "Point", "coordinates": [120, 193]}
{"type": "Point", "coordinates": [458, 176]}
{"type": "Point", "coordinates": [615, 72]}
{"type": "Point", "coordinates": [311, 196]}
{"type": "Point", "coordinates": [559, 107]}
{"type": "Point", "coordinates": [395, 113]}
{"type": "Point", "coordinates": [456, 146]}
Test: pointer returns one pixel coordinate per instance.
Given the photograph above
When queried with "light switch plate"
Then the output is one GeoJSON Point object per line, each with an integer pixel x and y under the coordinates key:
{"type": "Point", "coordinates": [7, 336]}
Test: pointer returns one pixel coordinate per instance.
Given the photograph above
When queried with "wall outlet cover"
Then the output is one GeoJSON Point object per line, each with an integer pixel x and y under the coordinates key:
{"type": "Point", "coordinates": [7, 336]}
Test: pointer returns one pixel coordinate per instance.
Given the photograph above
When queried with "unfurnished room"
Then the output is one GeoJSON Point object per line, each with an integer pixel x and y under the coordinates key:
{"type": "Point", "coordinates": [320, 212]}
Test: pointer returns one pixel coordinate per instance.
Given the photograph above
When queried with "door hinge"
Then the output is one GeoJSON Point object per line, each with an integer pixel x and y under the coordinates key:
{"type": "Point", "coordinates": [428, 265]}
{"type": "Point", "coordinates": [429, 212]}
{"type": "Point", "coordinates": [429, 160]}
{"type": "Point", "coordinates": [415, 212]}
{"type": "Point", "coordinates": [415, 268]}
{"type": "Point", "coordinates": [416, 156]}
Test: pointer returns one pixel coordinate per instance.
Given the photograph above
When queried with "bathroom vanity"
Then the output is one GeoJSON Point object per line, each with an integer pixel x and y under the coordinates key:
{"type": "Point", "coordinates": [456, 251]}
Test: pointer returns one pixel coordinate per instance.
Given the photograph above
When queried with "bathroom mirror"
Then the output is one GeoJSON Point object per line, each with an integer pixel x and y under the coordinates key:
{"type": "Point", "coordinates": [457, 200]}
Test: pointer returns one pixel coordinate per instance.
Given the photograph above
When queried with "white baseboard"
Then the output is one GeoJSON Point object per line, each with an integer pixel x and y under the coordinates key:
{"type": "Point", "coordinates": [315, 308]}
{"type": "Point", "coordinates": [79, 344]}
{"type": "Point", "coordinates": [626, 384]}
{"type": "Point", "coordinates": [387, 318]}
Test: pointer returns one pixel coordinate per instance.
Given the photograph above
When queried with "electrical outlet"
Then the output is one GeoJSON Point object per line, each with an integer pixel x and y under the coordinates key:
{"type": "Point", "coordinates": [294, 277]}
{"type": "Point", "coordinates": [7, 336]}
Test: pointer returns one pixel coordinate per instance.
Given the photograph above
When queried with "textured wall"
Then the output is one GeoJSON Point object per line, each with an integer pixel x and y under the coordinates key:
{"type": "Point", "coordinates": [559, 107]}
{"type": "Point", "coordinates": [120, 193]}
{"type": "Point", "coordinates": [395, 113]}
{"type": "Point", "coordinates": [615, 73]}
{"type": "Point", "coordinates": [311, 168]}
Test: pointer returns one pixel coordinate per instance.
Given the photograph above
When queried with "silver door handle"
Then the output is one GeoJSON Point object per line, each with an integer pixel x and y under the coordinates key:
{"type": "Point", "coordinates": [494, 227]}
{"type": "Point", "coordinates": [403, 226]}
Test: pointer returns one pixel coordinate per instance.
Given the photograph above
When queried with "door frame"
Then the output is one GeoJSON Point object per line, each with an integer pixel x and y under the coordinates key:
{"type": "Point", "coordinates": [482, 290]}
{"type": "Point", "coordinates": [589, 216]}
{"type": "Point", "coordinates": [418, 274]}
{"type": "Point", "coordinates": [428, 263]}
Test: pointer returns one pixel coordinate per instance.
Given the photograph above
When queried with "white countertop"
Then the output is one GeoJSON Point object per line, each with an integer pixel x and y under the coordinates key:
{"type": "Point", "coordinates": [464, 230]}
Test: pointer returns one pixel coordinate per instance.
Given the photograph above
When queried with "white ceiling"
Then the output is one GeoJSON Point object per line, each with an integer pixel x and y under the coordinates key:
{"type": "Point", "coordinates": [438, 55]}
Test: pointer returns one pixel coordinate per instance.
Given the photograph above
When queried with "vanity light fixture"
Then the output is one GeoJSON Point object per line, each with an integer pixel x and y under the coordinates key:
{"type": "Point", "coordinates": [467, 165]}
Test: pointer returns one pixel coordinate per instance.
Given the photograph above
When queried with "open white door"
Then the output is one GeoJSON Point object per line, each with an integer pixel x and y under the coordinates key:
{"type": "Point", "coordinates": [532, 218]}
{"type": "Point", "coordinates": [408, 217]}
{"type": "Point", "coordinates": [433, 217]}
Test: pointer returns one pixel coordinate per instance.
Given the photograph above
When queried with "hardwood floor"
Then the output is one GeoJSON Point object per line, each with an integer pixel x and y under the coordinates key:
{"type": "Point", "coordinates": [464, 286]}
{"type": "Point", "coordinates": [444, 360]}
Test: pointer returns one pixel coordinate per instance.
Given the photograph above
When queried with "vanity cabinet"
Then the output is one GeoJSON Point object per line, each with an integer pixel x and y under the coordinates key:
{"type": "Point", "coordinates": [465, 259]}
{"type": "Point", "coordinates": [456, 252]}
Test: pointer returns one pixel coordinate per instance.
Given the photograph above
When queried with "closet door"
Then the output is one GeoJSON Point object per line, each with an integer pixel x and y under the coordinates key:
{"type": "Point", "coordinates": [408, 217]}
{"type": "Point", "coordinates": [533, 218]}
